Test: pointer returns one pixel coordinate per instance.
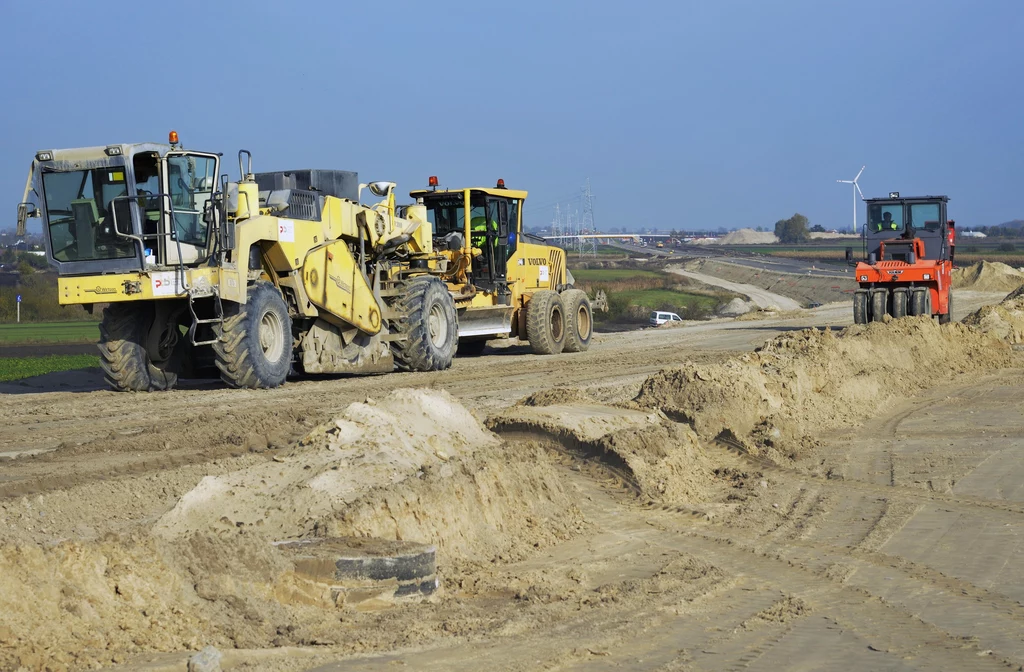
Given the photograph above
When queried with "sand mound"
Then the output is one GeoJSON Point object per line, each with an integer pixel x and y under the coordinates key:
{"type": "Point", "coordinates": [557, 395]}
{"type": "Point", "coordinates": [747, 237]}
{"type": "Point", "coordinates": [988, 276]}
{"type": "Point", "coordinates": [1004, 320]}
{"type": "Point", "coordinates": [370, 445]}
{"type": "Point", "coordinates": [807, 382]}
{"type": "Point", "coordinates": [416, 466]}
{"type": "Point", "coordinates": [736, 307]}
{"type": "Point", "coordinates": [662, 459]}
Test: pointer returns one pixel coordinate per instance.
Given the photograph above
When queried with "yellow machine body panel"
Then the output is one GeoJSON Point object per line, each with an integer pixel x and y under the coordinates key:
{"type": "Point", "coordinates": [335, 284]}
{"type": "Point", "coordinates": [135, 286]}
{"type": "Point", "coordinates": [536, 267]}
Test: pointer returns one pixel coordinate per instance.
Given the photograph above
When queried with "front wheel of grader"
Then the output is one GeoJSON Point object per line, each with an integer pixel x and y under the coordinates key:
{"type": "Point", "coordinates": [546, 323]}
{"type": "Point", "coordinates": [254, 344]}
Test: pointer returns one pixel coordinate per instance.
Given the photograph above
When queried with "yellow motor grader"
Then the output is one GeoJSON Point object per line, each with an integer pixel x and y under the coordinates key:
{"type": "Point", "coordinates": [505, 282]}
{"type": "Point", "coordinates": [277, 272]}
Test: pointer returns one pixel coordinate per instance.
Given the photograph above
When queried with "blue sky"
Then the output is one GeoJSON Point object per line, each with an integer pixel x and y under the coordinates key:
{"type": "Point", "coordinates": [683, 114]}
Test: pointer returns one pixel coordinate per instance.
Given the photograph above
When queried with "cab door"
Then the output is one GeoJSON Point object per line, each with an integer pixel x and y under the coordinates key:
{"type": "Point", "coordinates": [190, 180]}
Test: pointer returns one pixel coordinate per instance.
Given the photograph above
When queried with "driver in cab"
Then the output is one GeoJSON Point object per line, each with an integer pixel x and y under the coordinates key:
{"type": "Point", "coordinates": [887, 223]}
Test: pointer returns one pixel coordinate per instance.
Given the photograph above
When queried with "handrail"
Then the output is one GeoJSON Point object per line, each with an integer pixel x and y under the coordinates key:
{"type": "Point", "coordinates": [141, 238]}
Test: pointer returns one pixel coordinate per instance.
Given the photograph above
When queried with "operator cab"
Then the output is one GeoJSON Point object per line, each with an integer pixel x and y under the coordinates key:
{"type": "Point", "coordinates": [495, 219]}
{"type": "Point", "coordinates": [124, 207]}
{"type": "Point", "coordinates": [894, 223]}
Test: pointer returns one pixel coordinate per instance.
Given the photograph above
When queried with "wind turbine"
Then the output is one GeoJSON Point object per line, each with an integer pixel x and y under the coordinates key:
{"type": "Point", "coordinates": [856, 190]}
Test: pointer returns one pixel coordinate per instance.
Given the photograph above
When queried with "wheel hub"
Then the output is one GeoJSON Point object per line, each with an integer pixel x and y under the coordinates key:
{"type": "Point", "coordinates": [437, 326]}
{"type": "Point", "coordinates": [271, 336]}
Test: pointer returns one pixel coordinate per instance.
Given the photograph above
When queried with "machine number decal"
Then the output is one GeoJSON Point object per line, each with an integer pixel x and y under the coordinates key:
{"type": "Point", "coordinates": [543, 273]}
{"type": "Point", "coordinates": [165, 283]}
{"type": "Point", "coordinates": [286, 231]}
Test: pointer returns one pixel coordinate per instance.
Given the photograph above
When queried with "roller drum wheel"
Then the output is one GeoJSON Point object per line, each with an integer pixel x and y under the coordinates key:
{"type": "Point", "coordinates": [900, 302]}
{"type": "Point", "coordinates": [861, 301]}
{"type": "Point", "coordinates": [879, 304]}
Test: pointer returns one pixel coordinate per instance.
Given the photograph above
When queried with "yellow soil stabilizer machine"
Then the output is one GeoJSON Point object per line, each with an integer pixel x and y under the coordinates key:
{"type": "Point", "coordinates": [277, 273]}
{"type": "Point", "coordinates": [505, 282]}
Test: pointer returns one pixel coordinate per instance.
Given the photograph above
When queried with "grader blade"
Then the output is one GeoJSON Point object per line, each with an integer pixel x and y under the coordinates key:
{"type": "Point", "coordinates": [485, 321]}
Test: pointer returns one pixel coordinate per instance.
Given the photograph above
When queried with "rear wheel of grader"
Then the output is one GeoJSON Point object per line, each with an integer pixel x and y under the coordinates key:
{"type": "Point", "coordinates": [860, 306]}
{"type": "Point", "coordinates": [430, 326]}
{"type": "Point", "coordinates": [579, 321]}
{"type": "Point", "coordinates": [136, 356]}
{"type": "Point", "coordinates": [879, 304]}
{"type": "Point", "coordinates": [900, 301]}
{"type": "Point", "coordinates": [254, 345]}
{"type": "Point", "coordinates": [545, 323]}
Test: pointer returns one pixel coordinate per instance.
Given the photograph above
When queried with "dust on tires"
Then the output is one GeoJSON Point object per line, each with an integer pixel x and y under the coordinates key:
{"type": "Point", "coordinates": [579, 320]}
{"type": "Point", "coordinates": [545, 323]}
{"type": "Point", "coordinates": [429, 324]}
{"type": "Point", "coordinates": [254, 345]}
{"type": "Point", "coordinates": [126, 362]}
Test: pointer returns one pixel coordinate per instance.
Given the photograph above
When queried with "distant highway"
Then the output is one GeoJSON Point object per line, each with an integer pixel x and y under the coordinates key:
{"type": "Point", "coordinates": [763, 262]}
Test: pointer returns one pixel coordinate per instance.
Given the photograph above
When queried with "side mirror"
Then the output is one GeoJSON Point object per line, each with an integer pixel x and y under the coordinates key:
{"type": "Point", "coordinates": [209, 213]}
{"type": "Point", "coordinates": [23, 214]}
{"type": "Point", "coordinates": [380, 189]}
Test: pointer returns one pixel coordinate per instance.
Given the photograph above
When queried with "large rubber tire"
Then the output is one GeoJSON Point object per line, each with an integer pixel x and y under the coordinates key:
{"type": "Point", "coordinates": [879, 304]}
{"type": "Point", "coordinates": [254, 345]}
{"type": "Point", "coordinates": [126, 363]}
{"type": "Point", "coordinates": [946, 318]}
{"type": "Point", "coordinates": [917, 301]}
{"type": "Point", "coordinates": [900, 302]}
{"type": "Point", "coordinates": [861, 299]}
{"type": "Point", "coordinates": [545, 323]}
{"type": "Point", "coordinates": [579, 320]}
{"type": "Point", "coordinates": [471, 348]}
{"type": "Point", "coordinates": [429, 325]}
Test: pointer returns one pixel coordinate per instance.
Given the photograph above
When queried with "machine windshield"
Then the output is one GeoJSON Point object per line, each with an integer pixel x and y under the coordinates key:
{"type": "Point", "coordinates": [925, 216]}
{"type": "Point", "coordinates": [449, 214]}
{"type": "Point", "coordinates": [79, 214]}
{"type": "Point", "coordinates": [885, 218]}
{"type": "Point", "coordinates": [446, 215]}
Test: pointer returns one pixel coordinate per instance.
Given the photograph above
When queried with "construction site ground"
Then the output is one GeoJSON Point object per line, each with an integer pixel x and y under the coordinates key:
{"type": "Point", "coordinates": [769, 492]}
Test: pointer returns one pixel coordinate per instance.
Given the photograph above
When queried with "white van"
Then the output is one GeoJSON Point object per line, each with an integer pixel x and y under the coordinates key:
{"type": "Point", "coordinates": [659, 318]}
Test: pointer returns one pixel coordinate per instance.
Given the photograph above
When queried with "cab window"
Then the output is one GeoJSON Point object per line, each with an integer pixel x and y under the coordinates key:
{"type": "Point", "coordinates": [190, 183]}
{"type": "Point", "coordinates": [885, 217]}
{"type": "Point", "coordinates": [925, 216]}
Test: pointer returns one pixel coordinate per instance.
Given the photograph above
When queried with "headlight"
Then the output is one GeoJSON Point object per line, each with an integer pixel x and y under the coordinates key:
{"type": "Point", "coordinates": [113, 151]}
{"type": "Point", "coordinates": [863, 278]}
{"type": "Point", "coordinates": [44, 156]}
{"type": "Point", "coordinates": [927, 276]}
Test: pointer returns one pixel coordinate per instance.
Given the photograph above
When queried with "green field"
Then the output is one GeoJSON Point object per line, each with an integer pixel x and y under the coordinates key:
{"type": "Point", "coordinates": [655, 299]}
{"type": "Point", "coordinates": [15, 368]}
{"type": "Point", "coordinates": [49, 332]}
{"type": "Point", "coordinates": [614, 274]}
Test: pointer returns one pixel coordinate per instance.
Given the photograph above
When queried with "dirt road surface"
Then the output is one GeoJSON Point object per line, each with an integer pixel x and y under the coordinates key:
{"type": "Point", "coordinates": [872, 522]}
{"type": "Point", "coordinates": [761, 297]}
